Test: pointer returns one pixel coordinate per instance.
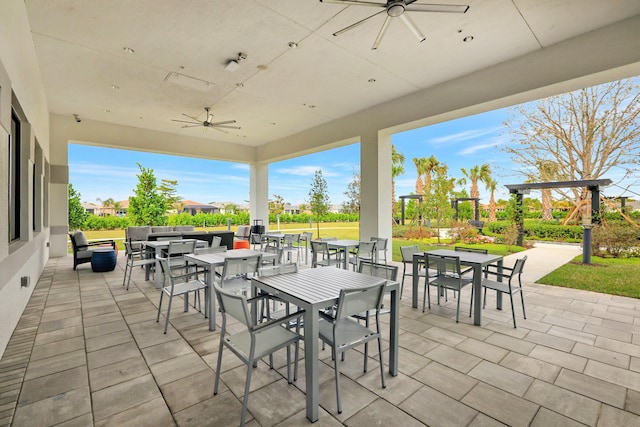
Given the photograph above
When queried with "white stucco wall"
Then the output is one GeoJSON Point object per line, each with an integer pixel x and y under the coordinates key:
{"type": "Point", "coordinates": [19, 72]}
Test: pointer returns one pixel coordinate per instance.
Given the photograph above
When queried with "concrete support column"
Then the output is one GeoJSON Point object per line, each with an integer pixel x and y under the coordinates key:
{"type": "Point", "coordinates": [375, 187]}
{"type": "Point", "coordinates": [259, 192]}
{"type": "Point", "coordinates": [58, 193]}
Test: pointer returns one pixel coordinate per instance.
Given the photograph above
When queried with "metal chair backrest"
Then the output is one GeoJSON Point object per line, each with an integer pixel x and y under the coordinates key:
{"type": "Point", "coordinates": [367, 250]}
{"type": "Point", "coordinates": [241, 266]}
{"type": "Point", "coordinates": [274, 270]}
{"type": "Point", "coordinates": [290, 239]}
{"type": "Point", "coordinates": [383, 271]}
{"type": "Point", "coordinates": [270, 249]}
{"type": "Point", "coordinates": [517, 268]}
{"type": "Point", "coordinates": [127, 249]}
{"type": "Point", "coordinates": [359, 300]}
{"type": "Point", "coordinates": [447, 265]}
{"type": "Point", "coordinates": [407, 253]}
{"type": "Point", "coordinates": [181, 247]}
{"type": "Point", "coordinates": [166, 271]}
{"type": "Point", "coordinates": [234, 305]}
{"type": "Point", "coordinates": [381, 243]}
{"type": "Point", "coordinates": [475, 250]}
{"type": "Point", "coordinates": [215, 241]}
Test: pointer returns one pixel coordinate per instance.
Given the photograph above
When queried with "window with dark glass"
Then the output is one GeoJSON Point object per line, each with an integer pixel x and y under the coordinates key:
{"type": "Point", "coordinates": [14, 178]}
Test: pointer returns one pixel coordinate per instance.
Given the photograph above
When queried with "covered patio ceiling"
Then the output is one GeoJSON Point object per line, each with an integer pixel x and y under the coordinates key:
{"type": "Point", "coordinates": [141, 64]}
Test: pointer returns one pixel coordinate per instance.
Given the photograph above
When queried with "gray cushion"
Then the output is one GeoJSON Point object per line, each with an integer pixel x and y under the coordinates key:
{"type": "Point", "coordinates": [161, 229]}
{"type": "Point", "coordinates": [81, 239]}
{"type": "Point", "coordinates": [138, 232]}
{"type": "Point", "coordinates": [182, 228]}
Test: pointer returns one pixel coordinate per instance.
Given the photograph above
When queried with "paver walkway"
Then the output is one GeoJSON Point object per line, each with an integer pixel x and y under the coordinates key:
{"type": "Point", "coordinates": [543, 258]}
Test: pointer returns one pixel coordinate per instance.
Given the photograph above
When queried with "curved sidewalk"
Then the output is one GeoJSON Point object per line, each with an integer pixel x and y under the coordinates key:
{"type": "Point", "coordinates": [543, 258]}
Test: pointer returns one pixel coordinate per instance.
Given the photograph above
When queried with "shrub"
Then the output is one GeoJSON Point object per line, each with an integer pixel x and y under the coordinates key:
{"type": "Point", "coordinates": [618, 239]}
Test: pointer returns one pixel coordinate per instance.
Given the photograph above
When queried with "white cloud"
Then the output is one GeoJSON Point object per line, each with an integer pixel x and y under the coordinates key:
{"type": "Point", "coordinates": [494, 142]}
{"type": "Point", "coordinates": [466, 135]}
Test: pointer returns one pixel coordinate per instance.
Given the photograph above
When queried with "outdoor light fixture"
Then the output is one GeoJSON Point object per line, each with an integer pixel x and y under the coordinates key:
{"type": "Point", "coordinates": [234, 64]}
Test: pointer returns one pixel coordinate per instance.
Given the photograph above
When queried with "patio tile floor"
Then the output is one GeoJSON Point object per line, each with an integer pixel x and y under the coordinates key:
{"type": "Point", "coordinates": [87, 352]}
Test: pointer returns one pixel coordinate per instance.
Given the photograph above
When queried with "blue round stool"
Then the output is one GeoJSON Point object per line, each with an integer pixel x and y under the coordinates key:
{"type": "Point", "coordinates": [103, 259]}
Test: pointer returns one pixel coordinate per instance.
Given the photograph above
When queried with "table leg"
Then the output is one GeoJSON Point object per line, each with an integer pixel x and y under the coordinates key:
{"type": "Point", "coordinates": [394, 330]}
{"type": "Point", "coordinates": [414, 282]}
{"type": "Point", "coordinates": [477, 295]}
{"type": "Point", "coordinates": [212, 299]}
{"type": "Point", "coordinates": [499, 296]}
{"type": "Point", "coordinates": [311, 369]}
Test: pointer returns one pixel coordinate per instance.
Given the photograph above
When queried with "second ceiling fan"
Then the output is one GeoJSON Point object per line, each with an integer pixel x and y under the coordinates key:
{"type": "Point", "coordinates": [397, 9]}
{"type": "Point", "coordinates": [208, 122]}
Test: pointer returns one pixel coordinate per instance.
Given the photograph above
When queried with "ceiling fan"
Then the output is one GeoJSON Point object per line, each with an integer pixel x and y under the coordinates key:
{"type": "Point", "coordinates": [207, 123]}
{"type": "Point", "coordinates": [397, 9]}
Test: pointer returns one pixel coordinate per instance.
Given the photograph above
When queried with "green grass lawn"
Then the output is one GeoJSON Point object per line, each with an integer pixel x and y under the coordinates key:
{"type": "Point", "coordinates": [341, 230]}
{"type": "Point", "coordinates": [611, 276]}
{"type": "Point", "coordinates": [615, 276]}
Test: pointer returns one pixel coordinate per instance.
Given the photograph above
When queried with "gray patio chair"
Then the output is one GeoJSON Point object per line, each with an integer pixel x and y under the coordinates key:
{"type": "Point", "coordinates": [343, 333]}
{"type": "Point", "coordinates": [236, 271]}
{"type": "Point", "coordinates": [290, 245]}
{"type": "Point", "coordinates": [275, 250]}
{"type": "Point", "coordinates": [254, 341]}
{"type": "Point", "coordinates": [448, 276]}
{"type": "Point", "coordinates": [172, 288]}
{"type": "Point", "coordinates": [381, 247]}
{"type": "Point", "coordinates": [321, 256]}
{"type": "Point", "coordinates": [135, 258]}
{"type": "Point", "coordinates": [366, 251]}
{"type": "Point", "coordinates": [407, 261]}
{"type": "Point", "coordinates": [508, 287]}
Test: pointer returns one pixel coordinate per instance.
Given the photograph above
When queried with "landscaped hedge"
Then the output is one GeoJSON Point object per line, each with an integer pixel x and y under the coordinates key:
{"type": "Point", "coordinates": [540, 230]}
{"type": "Point", "coordinates": [94, 222]}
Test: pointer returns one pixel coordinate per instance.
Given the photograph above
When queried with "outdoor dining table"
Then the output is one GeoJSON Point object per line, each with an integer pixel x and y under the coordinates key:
{"type": "Point", "coordinates": [473, 259]}
{"type": "Point", "coordinates": [153, 246]}
{"type": "Point", "coordinates": [317, 288]}
{"type": "Point", "coordinates": [210, 262]}
{"type": "Point", "coordinates": [343, 246]}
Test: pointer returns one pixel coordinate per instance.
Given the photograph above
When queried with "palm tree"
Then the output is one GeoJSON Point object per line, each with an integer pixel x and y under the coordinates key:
{"type": "Point", "coordinates": [430, 165]}
{"type": "Point", "coordinates": [492, 184]}
{"type": "Point", "coordinates": [397, 169]}
{"type": "Point", "coordinates": [475, 174]}
{"type": "Point", "coordinates": [420, 169]}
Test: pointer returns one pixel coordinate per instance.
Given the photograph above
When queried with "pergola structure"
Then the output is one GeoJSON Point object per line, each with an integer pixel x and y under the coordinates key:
{"type": "Point", "coordinates": [593, 185]}
{"type": "Point", "coordinates": [476, 201]}
{"type": "Point", "coordinates": [403, 198]}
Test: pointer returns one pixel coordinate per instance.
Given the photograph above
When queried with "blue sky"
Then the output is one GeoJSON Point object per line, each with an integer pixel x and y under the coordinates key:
{"type": "Point", "coordinates": [108, 173]}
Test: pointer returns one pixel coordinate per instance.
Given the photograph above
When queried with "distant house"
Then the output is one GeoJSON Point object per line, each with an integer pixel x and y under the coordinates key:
{"type": "Point", "coordinates": [98, 210]}
{"type": "Point", "coordinates": [291, 209]}
{"type": "Point", "coordinates": [193, 207]}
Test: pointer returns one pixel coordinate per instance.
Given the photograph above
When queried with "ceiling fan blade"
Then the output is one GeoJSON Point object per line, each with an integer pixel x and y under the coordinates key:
{"type": "Point", "coordinates": [355, 3]}
{"type": "Point", "coordinates": [383, 30]}
{"type": "Point", "coordinates": [218, 129]}
{"type": "Point", "coordinates": [352, 26]}
{"type": "Point", "coordinates": [192, 126]}
{"type": "Point", "coordinates": [412, 27]}
{"type": "Point", "coordinates": [184, 121]}
{"type": "Point", "coordinates": [226, 127]}
{"type": "Point", "coordinates": [226, 122]}
{"type": "Point", "coordinates": [190, 117]}
{"type": "Point", "coordinates": [443, 8]}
